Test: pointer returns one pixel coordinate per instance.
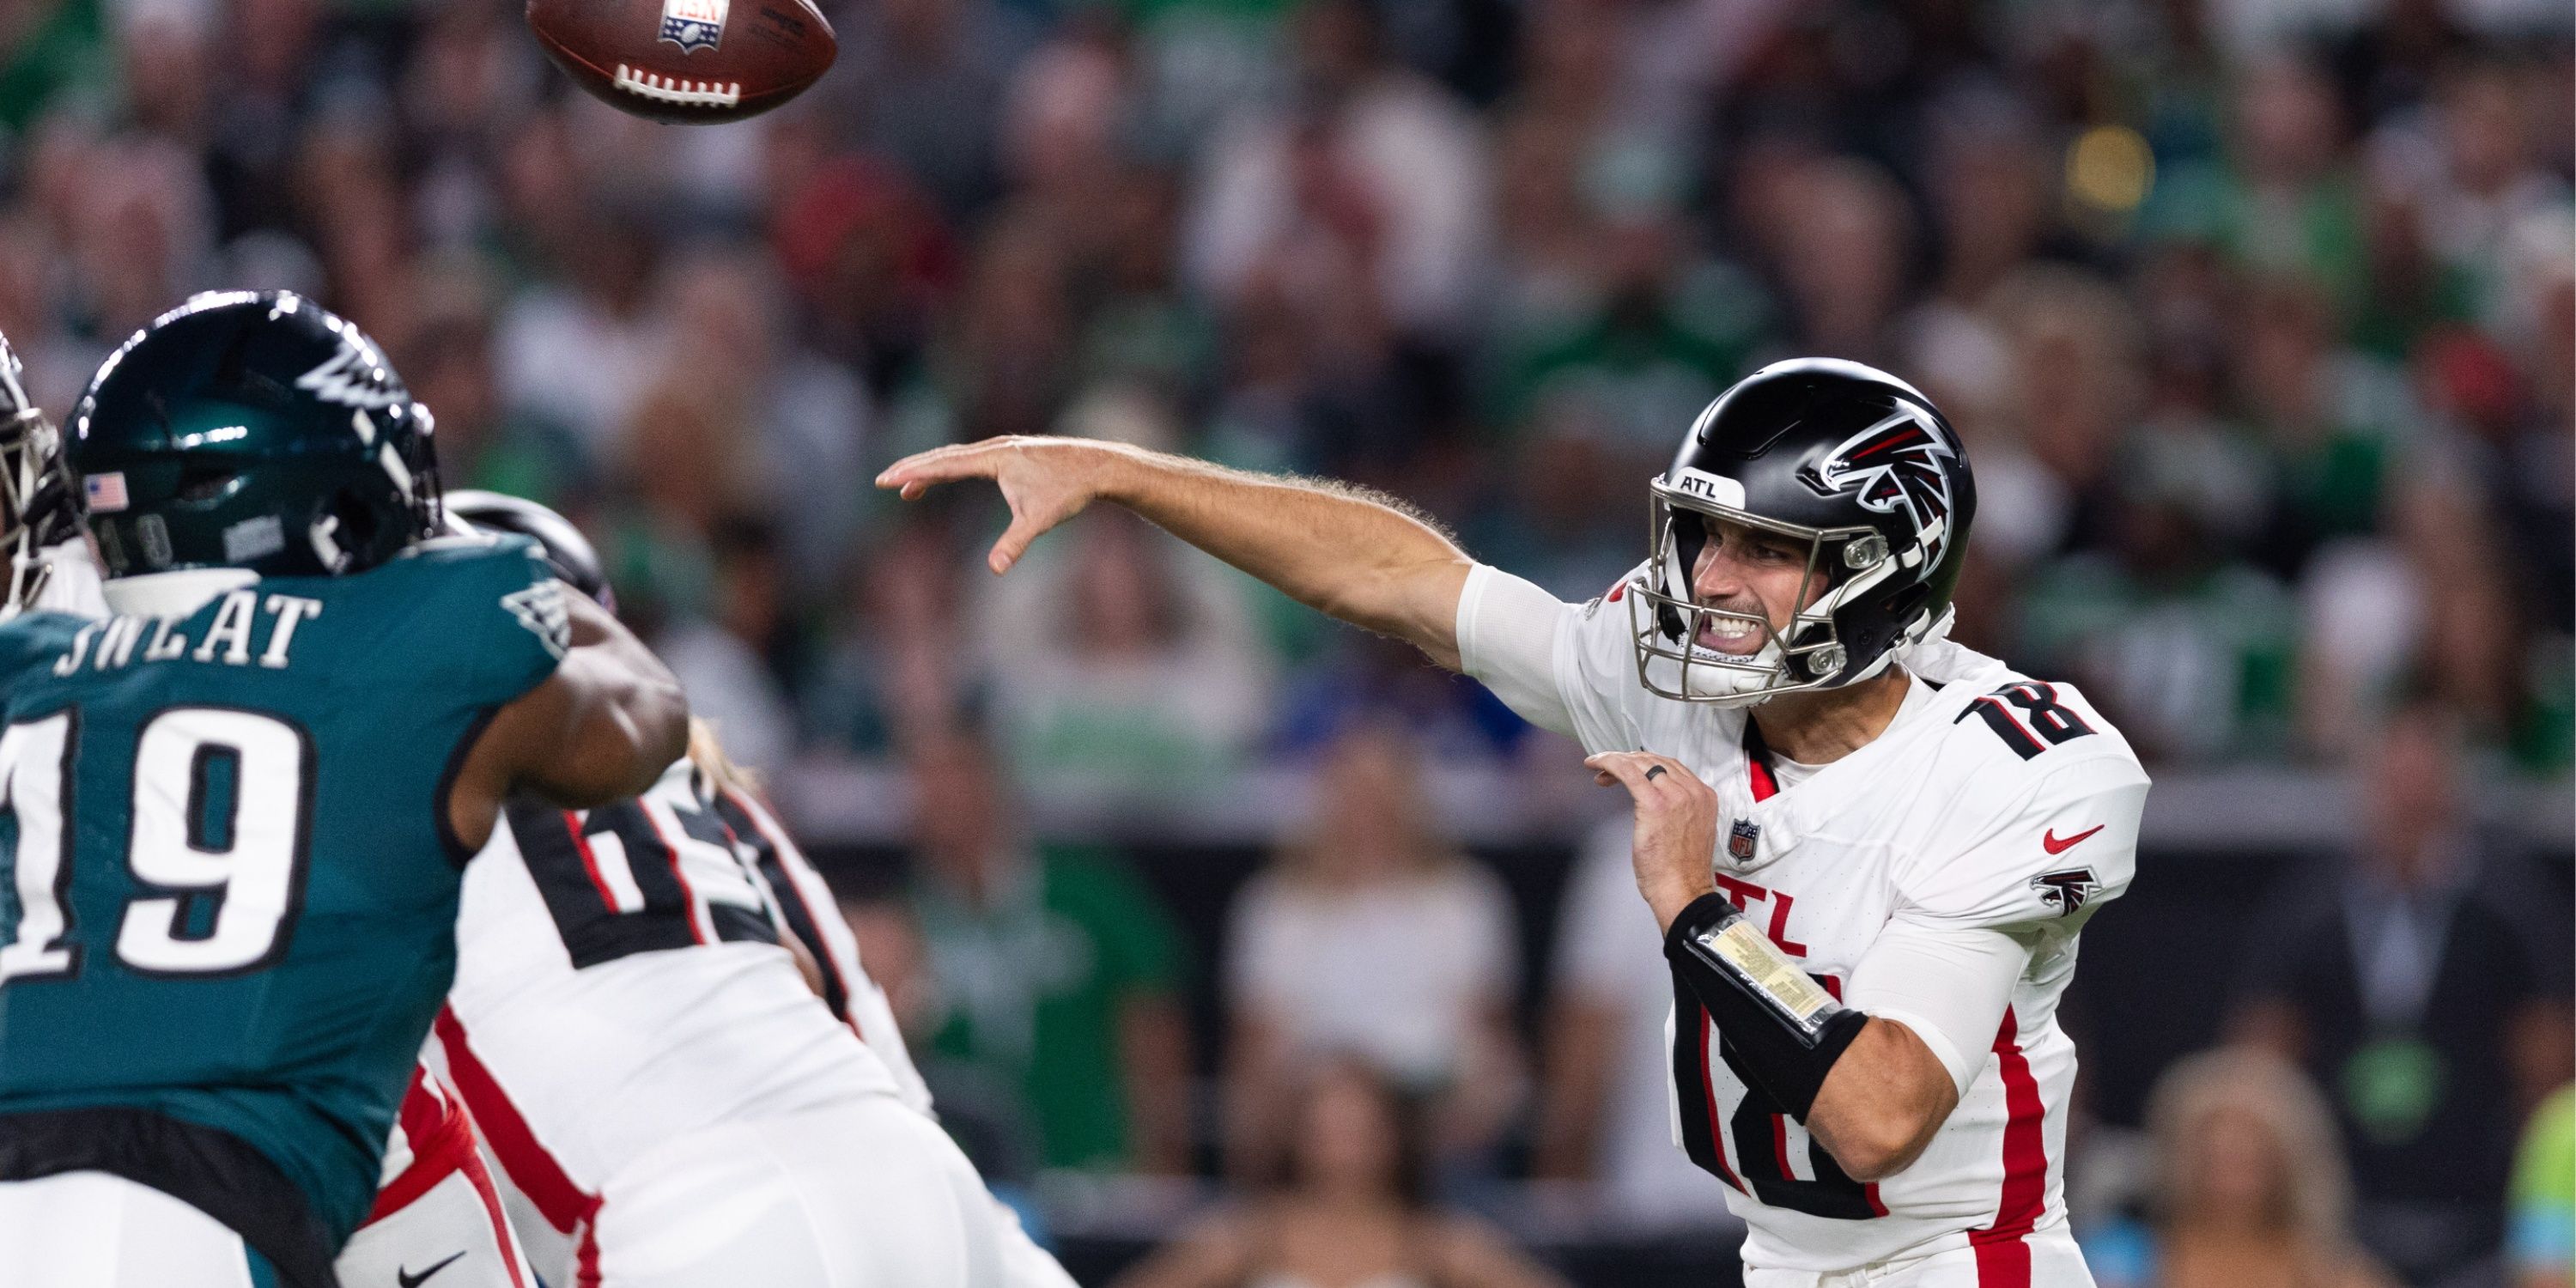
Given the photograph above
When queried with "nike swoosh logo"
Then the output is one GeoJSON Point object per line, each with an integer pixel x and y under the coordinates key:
{"type": "Point", "coordinates": [409, 1280]}
{"type": "Point", "coordinates": [2047, 840]}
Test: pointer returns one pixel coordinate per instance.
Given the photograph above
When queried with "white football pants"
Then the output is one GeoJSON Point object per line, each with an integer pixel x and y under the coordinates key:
{"type": "Point", "coordinates": [94, 1230]}
{"type": "Point", "coordinates": [2052, 1261]}
{"type": "Point", "coordinates": [871, 1194]}
{"type": "Point", "coordinates": [452, 1236]}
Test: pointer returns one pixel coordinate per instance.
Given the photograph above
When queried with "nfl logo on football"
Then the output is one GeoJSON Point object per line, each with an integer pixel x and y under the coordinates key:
{"type": "Point", "coordinates": [1741, 839]}
{"type": "Point", "coordinates": [693, 24]}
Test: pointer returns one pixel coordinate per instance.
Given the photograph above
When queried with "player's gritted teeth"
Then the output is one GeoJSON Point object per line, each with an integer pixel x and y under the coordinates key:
{"type": "Point", "coordinates": [1733, 636]}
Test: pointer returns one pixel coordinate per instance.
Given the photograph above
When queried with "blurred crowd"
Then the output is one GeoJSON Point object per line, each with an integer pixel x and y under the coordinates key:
{"type": "Point", "coordinates": [2256, 315]}
{"type": "Point", "coordinates": [2259, 318]}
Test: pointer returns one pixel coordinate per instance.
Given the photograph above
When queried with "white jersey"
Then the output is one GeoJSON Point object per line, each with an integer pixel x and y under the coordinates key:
{"type": "Point", "coordinates": [1992, 802]}
{"type": "Point", "coordinates": [809, 911]}
{"type": "Point", "coordinates": [620, 983]}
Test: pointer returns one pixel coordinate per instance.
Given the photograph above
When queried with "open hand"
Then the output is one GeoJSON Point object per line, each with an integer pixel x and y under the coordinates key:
{"type": "Point", "coordinates": [1045, 481]}
{"type": "Point", "coordinates": [1676, 827]}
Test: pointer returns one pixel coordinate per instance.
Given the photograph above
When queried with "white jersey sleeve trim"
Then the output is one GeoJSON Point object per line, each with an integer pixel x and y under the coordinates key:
{"type": "Point", "coordinates": [1507, 638]}
{"type": "Point", "coordinates": [1949, 984]}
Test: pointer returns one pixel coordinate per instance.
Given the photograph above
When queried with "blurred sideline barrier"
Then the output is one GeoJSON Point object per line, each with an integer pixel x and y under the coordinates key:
{"type": "Point", "coordinates": [2247, 808]}
{"type": "Point", "coordinates": [1101, 1225]}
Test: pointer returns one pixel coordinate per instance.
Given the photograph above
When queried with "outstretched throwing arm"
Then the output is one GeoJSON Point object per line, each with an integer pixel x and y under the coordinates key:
{"type": "Point", "coordinates": [1364, 558]}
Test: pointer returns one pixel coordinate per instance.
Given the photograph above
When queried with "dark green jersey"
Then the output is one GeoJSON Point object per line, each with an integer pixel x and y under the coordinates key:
{"type": "Point", "coordinates": [227, 885]}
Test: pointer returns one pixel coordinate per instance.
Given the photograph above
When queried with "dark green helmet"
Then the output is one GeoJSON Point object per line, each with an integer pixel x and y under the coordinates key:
{"type": "Point", "coordinates": [251, 430]}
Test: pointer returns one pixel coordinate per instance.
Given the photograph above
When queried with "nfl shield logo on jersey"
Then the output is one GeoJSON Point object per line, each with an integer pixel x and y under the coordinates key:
{"type": "Point", "coordinates": [1741, 840]}
{"type": "Point", "coordinates": [694, 24]}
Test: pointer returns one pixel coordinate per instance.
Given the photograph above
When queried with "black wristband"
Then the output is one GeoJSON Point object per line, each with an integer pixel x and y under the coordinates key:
{"type": "Point", "coordinates": [1781, 1027]}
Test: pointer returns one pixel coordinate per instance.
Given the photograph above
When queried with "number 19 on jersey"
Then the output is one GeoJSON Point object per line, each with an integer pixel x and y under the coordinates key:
{"type": "Point", "coordinates": [221, 808]}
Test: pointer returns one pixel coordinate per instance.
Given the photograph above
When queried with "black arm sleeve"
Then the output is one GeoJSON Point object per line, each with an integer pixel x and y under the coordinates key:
{"type": "Point", "coordinates": [1785, 1030]}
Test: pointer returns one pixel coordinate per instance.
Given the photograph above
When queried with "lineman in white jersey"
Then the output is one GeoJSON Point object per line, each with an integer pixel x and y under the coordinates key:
{"type": "Point", "coordinates": [1870, 850]}
{"type": "Point", "coordinates": [651, 1068]}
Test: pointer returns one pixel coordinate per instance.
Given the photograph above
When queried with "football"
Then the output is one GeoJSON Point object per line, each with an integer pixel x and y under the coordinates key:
{"type": "Point", "coordinates": [695, 61]}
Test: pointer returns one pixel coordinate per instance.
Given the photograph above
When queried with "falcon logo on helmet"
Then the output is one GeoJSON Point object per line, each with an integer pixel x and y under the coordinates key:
{"type": "Point", "coordinates": [1902, 462]}
{"type": "Point", "coordinates": [1846, 462]}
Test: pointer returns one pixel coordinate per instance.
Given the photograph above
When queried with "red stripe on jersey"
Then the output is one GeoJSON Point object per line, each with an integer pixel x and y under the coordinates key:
{"type": "Point", "coordinates": [441, 1142]}
{"type": "Point", "coordinates": [1780, 1145]}
{"type": "Point", "coordinates": [698, 925]}
{"type": "Point", "coordinates": [424, 1111]}
{"type": "Point", "coordinates": [535, 1171]}
{"type": "Point", "coordinates": [585, 1273]}
{"type": "Point", "coordinates": [590, 862]}
{"type": "Point", "coordinates": [1708, 1095]}
{"type": "Point", "coordinates": [501, 1237]}
{"type": "Point", "coordinates": [788, 857]}
{"type": "Point", "coordinates": [1757, 763]}
{"type": "Point", "coordinates": [2003, 1255]}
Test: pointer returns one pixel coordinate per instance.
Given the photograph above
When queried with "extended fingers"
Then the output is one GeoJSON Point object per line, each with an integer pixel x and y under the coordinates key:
{"type": "Point", "coordinates": [1014, 542]}
{"type": "Point", "coordinates": [917, 473]}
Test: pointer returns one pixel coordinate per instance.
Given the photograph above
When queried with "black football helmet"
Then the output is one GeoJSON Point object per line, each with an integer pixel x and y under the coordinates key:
{"type": "Point", "coordinates": [1855, 463]}
{"type": "Point", "coordinates": [251, 430]}
{"type": "Point", "coordinates": [567, 551]}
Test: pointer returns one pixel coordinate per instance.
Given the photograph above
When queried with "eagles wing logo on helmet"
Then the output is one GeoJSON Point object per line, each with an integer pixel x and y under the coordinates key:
{"type": "Point", "coordinates": [352, 377]}
{"type": "Point", "coordinates": [1902, 462]}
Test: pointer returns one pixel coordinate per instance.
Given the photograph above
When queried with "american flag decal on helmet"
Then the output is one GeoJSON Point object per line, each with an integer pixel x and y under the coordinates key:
{"type": "Point", "coordinates": [1903, 462]}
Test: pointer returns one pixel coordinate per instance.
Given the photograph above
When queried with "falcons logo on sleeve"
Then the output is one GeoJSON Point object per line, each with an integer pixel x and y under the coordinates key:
{"type": "Point", "coordinates": [2066, 891]}
{"type": "Point", "coordinates": [1902, 462]}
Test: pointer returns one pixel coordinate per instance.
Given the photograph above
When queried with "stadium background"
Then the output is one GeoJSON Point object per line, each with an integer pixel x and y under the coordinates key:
{"type": "Point", "coordinates": [2259, 317]}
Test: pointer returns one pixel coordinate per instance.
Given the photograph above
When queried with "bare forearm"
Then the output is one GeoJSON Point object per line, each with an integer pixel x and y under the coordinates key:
{"type": "Point", "coordinates": [1156, 1046]}
{"type": "Point", "coordinates": [1882, 1103]}
{"type": "Point", "coordinates": [1356, 556]}
{"type": "Point", "coordinates": [1580, 1041]}
{"type": "Point", "coordinates": [629, 721]}
{"type": "Point", "coordinates": [1254, 1097]}
{"type": "Point", "coordinates": [1362, 558]}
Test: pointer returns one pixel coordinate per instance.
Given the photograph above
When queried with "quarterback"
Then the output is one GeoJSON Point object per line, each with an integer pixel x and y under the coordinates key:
{"type": "Point", "coordinates": [1871, 850]}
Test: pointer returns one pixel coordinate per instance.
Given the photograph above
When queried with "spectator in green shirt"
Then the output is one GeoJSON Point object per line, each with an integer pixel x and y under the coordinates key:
{"type": "Point", "coordinates": [49, 49]}
{"type": "Point", "coordinates": [1055, 974]}
{"type": "Point", "coordinates": [2541, 1240]}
